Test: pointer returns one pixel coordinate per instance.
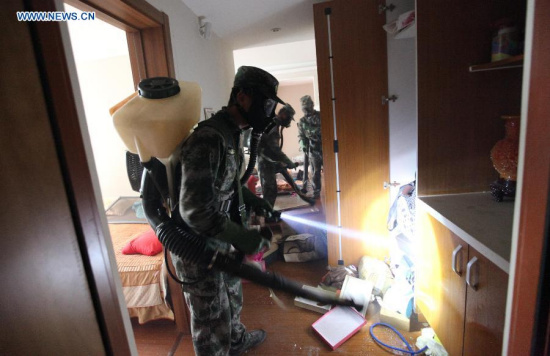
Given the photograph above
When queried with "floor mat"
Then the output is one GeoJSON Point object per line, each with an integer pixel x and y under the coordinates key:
{"type": "Point", "coordinates": [288, 202]}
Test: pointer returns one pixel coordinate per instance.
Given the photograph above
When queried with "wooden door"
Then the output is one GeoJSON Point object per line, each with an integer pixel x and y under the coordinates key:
{"type": "Point", "coordinates": [48, 304]}
{"type": "Point", "coordinates": [485, 307]}
{"type": "Point", "coordinates": [439, 291]}
{"type": "Point", "coordinates": [359, 75]}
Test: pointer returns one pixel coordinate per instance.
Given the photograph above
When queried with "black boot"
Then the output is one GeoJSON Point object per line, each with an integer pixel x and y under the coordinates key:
{"type": "Point", "coordinates": [250, 340]}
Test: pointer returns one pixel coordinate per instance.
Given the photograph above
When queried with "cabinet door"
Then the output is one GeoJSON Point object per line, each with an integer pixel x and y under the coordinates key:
{"type": "Point", "coordinates": [440, 291]}
{"type": "Point", "coordinates": [351, 105]}
{"type": "Point", "coordinates": [485, 307]}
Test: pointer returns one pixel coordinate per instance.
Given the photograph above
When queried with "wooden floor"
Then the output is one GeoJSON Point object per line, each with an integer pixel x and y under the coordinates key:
{"type": "Point", "coordinates": [288, 330]}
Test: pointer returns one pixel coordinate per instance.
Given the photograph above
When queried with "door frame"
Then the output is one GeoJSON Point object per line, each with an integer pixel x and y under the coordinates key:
{"type": "Point", "coordinates": [528, 328]}
{"type": "Point", "coordinates": [150, 48]}
{"type": "Point", "coordinates": [147, 30]}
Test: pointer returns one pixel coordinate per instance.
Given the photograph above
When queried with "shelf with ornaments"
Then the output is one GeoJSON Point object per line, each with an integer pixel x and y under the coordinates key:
{"type": "Point", "coordinates": [507, 63]}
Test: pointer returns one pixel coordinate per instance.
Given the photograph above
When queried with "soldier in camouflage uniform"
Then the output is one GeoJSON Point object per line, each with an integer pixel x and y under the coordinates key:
{"type": "Point", "coordinates": [271, 157]}
{"type": "Point", "coordinates": [210, 204]}
{"type": "Point", "coordinates": [309, 134]}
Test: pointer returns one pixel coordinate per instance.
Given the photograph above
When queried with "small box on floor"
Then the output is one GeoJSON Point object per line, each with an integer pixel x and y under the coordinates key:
{"type": "Point", "coordinates": [338, 325]}
{"type": "Point", "coordinates": [395, 319]}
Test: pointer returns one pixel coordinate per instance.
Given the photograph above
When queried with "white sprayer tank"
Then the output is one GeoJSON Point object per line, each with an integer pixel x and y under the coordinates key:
{"type": "Point", "coordinates": [153, 127]}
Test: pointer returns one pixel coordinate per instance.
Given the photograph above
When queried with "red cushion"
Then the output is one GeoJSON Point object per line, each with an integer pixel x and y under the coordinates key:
{"type": "Point", "coordinates": [251, 184]}
{"type": "Point", "coordinates": [145, 244]}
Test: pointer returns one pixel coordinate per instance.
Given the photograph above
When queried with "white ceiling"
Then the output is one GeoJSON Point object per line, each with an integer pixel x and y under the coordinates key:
{"type": "Point", "coordinates": [248, 23]}
{"type": "Point", "coordinates": [291, 63]}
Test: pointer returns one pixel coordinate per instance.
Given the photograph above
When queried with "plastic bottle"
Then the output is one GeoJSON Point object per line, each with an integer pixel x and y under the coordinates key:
{"type": "Point", "coordinates": [505, 42]}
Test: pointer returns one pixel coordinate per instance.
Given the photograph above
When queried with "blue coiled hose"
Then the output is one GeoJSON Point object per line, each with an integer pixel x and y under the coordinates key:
{"type": "Point", "coordinates": [409, 350]}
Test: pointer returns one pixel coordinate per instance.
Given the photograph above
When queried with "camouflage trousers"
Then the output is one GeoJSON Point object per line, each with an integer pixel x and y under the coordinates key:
{"type": "Point", "coordinates": [215, 302]}
{"type": "Point", "coordinates": [316, 163]}
{"type": "Point", "coordinates": [268, 181]}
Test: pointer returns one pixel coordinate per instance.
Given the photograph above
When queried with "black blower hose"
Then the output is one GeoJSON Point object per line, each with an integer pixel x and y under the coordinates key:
{"type": "Point", "coordinates": [179, 241]}
{"type": "Point", "coordinates": [255, 138]}
{"type": "Point", "coordinates": [193, 248]}
{"type": "Point", "coordinates": [290, 181]}
{"type": "Point", "coordinates": [227, 263]}
{"type": "Point", "coordinates": [254, 144]}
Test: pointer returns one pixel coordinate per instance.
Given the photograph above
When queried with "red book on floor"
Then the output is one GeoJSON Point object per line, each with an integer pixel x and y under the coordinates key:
{"type": "Point", "coordinates": [338, 325]}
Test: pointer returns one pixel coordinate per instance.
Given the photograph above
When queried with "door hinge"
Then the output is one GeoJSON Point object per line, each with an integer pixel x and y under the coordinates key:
{"type": "Point", "coordinates": [382, 8]}
{"type": "Point", "coordinates": [388, 185]}
{"type": "Point", "coordinates": [385, 100]}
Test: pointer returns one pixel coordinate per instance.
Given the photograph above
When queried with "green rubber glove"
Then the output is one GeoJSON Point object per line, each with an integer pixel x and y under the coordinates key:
{"type": "Point", "coordinates": [247, 241]}
{"type": "Point", "coordinates": [259, 205]}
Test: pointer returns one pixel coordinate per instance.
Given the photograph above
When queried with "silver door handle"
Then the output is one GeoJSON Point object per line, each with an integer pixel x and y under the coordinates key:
{"type": "Point", "coordinates": [468, 274]}
{"type": "Point", "coordinates": [455, 253]}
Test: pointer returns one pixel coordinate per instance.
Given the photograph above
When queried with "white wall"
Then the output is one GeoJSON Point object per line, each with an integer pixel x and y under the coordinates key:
{"type": "Point", "coordinates": [291, 94]}
{"type": "Point", "coordinates": [207, 62]}
{"type": "Point", "coordinates": [287, 55]}
{"type": "Point", "coordinates": [291, 63]}
{"type": "Point", "coordinates": [104, 75]}
{"type": "Point", "coordinates": [103, 83]}
{"type": "Point", "coordinates": [403, 112]}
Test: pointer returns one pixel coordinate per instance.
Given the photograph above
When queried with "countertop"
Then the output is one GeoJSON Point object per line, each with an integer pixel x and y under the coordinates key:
{"type": "Point", "coordinates": [476, 218]}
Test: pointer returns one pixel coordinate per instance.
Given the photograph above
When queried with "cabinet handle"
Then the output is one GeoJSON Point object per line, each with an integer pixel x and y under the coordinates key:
{"type": "Point", "coordinates": [468, 274]}
{"type": "Point", "coordinates": [453, 266]}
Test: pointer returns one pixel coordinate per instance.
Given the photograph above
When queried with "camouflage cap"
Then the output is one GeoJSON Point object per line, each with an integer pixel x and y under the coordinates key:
{"type": "Point", "coordinates": [253, 77]}
{"type": "Point", "coordinates": [304, 100]}
{"type": "Point", "coordinates": [289, 110]}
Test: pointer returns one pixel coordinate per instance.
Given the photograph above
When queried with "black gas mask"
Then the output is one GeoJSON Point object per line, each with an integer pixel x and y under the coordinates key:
{"type": "Point", "coordinates": [284, 120]}
{"type": "Point", "coordinates": [261, 112]}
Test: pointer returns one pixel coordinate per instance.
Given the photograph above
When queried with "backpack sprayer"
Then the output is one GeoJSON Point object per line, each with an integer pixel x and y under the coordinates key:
{"type": "Point", "coordinates": [153, 124]}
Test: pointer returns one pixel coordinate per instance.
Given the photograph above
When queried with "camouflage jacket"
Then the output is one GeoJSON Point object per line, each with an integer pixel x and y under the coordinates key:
{"type": "Point", "coordinates": [269, 149]}
{"type": "Point", "coordinates": [209, 169]}
{"type": "Point", "coordinates": [309, 131]}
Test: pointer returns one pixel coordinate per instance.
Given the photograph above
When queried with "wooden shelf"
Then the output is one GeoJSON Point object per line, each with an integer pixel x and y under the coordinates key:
{"type": "Point", "coordinates": [512, 62]}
